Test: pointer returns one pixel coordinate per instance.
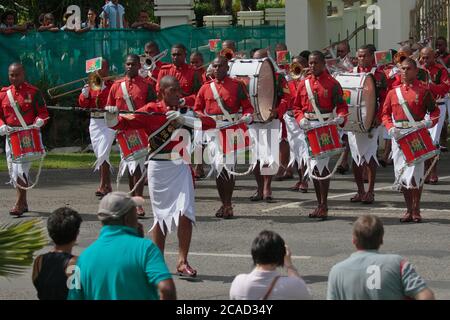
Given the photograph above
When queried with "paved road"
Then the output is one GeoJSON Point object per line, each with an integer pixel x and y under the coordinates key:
{"type": "Point", "coordinates": [220, 249]}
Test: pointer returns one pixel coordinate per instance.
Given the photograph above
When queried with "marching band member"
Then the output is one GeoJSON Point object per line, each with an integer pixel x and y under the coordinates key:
{"type": "Point", "coordinates": [295, 135]}
{"type": "Point", "coordinates": [170, 186]}
{"type": "Point", "coordinates": [196, 60]}
{"type": "Point", "coordinates": [222, 99]}
{"type": "Point", "coordinates": [102, 137]}
{"type": "Point", "coordinates": [264, 153]}
{"type": "Point", "coordinates": [151, 50]}
{"type": "Point", "coordinates": [444, 58]}
{"type": "Point", "coordinates": [364, 146]}
{"type": "Point", "coordinates": [130, 93]}
{"type": "Point", "coordinates": [21, 105]}
{"type": "Point", "coordinates": [327, 96]}
{"type": "Point", "coordinates": [190, 79]}
{"type": "Point", "coordinates": [439, 86]}
{"type": "Point", "coordinates": [396, 118]}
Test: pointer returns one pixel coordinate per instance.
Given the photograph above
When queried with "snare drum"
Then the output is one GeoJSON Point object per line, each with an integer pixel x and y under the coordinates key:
{"type": "Point", "coordinates": [360, 95]}
{"type": "Point", "coordinates": [26, 145]}
{"type": "Point", "coordinates": [323, 141]}
{"type": "Point", "coordinates": [259, 76]}
{"type": "Point", "coordinates": [417, 146]}
{"type": "Point", "coordinates": [133, 144]}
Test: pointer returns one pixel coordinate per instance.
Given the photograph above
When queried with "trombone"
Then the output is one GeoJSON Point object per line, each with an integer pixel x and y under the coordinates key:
{"type": "Point", "coordinates": [94, 80]}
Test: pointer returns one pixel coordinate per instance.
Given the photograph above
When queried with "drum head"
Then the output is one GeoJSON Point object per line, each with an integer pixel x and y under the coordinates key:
{"type": "Point", "coordinates": [266, 90]}
{"type": "Point", "coordinates": [369, 100]}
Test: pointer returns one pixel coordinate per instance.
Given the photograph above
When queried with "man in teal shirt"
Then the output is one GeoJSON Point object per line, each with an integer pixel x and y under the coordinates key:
{"type": "Point", "coordinates": [370, 275]}
{"type": "Point", "coordinates": [121, 264]}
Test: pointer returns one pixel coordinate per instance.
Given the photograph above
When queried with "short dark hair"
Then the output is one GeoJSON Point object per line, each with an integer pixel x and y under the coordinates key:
{"type": "Point", "coordinates": [368, 232]}
{"type": "Point", "coordinates": [152, 44]}
{"type": "Point", "coordinates": [441, 38]}
{"type": "Point", "coordinates": [305, 54]}
{"type": "Point", "coordinates": [179, 46]}
{"type": "Point", "coordinates": [318, 54]}
{"type": "Point", "coordinates": [197, 54]}
{"type": "Point", "coordinates": [134, 57]}
{"type": "Point", "coordinates": [370, 47]}
{"type": "Point", "coordinates": [268, 248]}
{"type": "Point", "coordinates": [252, 52]}
{"type": "Point", "coordinates": [410, 61]}
{"type": "Point", "coordinates": [63, 225]}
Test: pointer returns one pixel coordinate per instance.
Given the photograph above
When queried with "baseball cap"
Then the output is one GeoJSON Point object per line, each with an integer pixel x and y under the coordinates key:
{"type": "Point", "coordinates": [117, 204]}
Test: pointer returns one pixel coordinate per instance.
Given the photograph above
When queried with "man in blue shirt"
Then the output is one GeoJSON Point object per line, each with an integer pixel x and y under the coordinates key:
{"type": "Point", "coordinates": [121, 264]}
{"type": "Point", "coordinates": [113, 15]}
{"type": "Point", "coordinates": [370, 275]}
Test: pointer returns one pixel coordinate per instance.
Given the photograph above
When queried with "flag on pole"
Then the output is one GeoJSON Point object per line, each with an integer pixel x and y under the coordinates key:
{"type": "Point", "coordinates": [215, 45]}
{"type": "Point", "coordinates": [383, 57]}
{"type": "Point", "coordinates": [283, 57]}
{"type": "Point", "coordinates": [93, 64]}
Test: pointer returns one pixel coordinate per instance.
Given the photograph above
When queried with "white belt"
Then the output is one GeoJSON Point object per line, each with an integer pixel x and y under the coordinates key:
{"type": "Point", "coordinates": [313, 116]}
{"type": "Point", "coordinates": [97, 115]}
{"type": "Point", "coordinates": [167, 156]}
{"type": "Point", "coordinates": [402, 125]}
{"type": "Point", "coordinates": [221, 117]}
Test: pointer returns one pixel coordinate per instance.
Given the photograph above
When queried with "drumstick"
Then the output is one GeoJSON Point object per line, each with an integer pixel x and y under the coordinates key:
{"type": "Point", "coordinates": [103, 110]}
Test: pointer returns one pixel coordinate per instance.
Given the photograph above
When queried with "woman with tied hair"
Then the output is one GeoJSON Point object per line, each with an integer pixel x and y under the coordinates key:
{"type": "Point", "coordinates": [265, 282]}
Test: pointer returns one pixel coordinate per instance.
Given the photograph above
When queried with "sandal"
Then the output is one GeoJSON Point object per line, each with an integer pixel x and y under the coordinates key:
{"type": "Point", "coordinates": [314, 213]}
{"type": "Point", "coordinates": [416, 217]}
{"type": "Point", "coordinates": [368, 198]}
{"type": "Point", "coordinates": [357, 198]}
{"type": "Point", "coordinates": [322, 214]}
{"type": "Point", "coordinates": [304, 187]}
{"type": "Point", "coordinates": [186, 271]}
{"type": "Point", "coordinates": [228, 213]}
{"type": "Point", "coordinates": [269, 199]}
{"type": "Point", "coordinates": [18, 211]}
{"type": "Point", "coordinates": [407, 217]}
{"type": "Point", "coordinates": [256, 197]}
{"type": "Point", "coordinates": [296, 188]}
{"type": "Point", "coordinates": [219, 213]}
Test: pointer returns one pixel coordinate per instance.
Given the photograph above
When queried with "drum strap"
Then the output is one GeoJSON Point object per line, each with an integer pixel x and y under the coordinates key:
{"type": "Point", "coordinates": [405, 107]}
{"type": "Point", "coordinates": [312, 100]}
{"type": "Point", "coordinates": [15, 107]}
{"type": "Point", "coordinates": [126, 96]}
{"type": "Point", "coordinates": [219, 101]}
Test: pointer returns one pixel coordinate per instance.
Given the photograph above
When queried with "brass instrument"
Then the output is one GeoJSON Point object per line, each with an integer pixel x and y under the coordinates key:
{"type": "Point", "coordinates": [295, 70]}
{"type": "Point", "coordinates": [149, 63]}
{"type": "Point", "coordinates": [94, 80]}
{"type": "Point", "coordinates": [227, 53]}
{"type": "Point", "coordinates": [399, 57]}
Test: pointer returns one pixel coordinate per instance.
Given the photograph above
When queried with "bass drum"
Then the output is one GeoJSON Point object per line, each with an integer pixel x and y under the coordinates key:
{"type": "Point", "coordinates": [259, 76]}
{"type": "Point", "coordinates": [360, 94]}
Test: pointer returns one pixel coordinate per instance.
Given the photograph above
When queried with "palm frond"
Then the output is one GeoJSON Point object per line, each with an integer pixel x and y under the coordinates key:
{"type": "Point", "coordinates": [18, 242]}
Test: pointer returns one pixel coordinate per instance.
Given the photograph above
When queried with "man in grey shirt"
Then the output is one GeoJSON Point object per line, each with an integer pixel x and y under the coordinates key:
{"type": "Point", "coordinates": [370, 275]}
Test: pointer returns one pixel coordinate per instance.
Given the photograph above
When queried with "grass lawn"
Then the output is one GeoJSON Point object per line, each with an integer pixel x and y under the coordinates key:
{"type": "Point", "coordinates": [65, 161]}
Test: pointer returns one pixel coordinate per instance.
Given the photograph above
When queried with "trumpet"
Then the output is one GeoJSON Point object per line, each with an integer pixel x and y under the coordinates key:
{"type": "Point", "coordinates": [149, 63]}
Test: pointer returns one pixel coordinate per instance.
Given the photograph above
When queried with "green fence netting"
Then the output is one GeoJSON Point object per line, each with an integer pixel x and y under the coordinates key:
{"type": "Point", "coordinates": [56, 58]}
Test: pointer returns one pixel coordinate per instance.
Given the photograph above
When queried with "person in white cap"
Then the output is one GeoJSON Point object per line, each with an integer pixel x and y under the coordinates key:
{"type": "Point", "coordinates": [121, 264]}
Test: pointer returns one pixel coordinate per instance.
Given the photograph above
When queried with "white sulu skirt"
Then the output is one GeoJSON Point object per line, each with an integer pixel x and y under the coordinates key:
{"type": "Point", "coordinates": [265, 144]}
{"type": "Point", "coordinates": [405, 175]}
{"type": "Point", "coordinates": [297, 141]}
{"type": "Point", "coordinates": [362, 147]}
{"type": "Point", "coordinates": [102, 139]}
{"type": "Point", "coordinates": [16, 170]}
{"type": "Point", "coordinates": [171, 190]}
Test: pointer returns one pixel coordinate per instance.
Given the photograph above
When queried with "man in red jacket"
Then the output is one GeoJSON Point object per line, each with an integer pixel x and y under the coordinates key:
{"type": "Point", "coordinates": [102, 137]}
{"type": "Point", "coordinates": [328, 97]}
{"type": "Point", "coordinates": [21, 105]}
{"type": "Point", "coordinates": [171, 187]}
{"type": "Point", "coordinates": [419, 101]}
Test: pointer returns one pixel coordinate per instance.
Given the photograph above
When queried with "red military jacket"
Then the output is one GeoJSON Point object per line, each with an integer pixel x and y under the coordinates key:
{"type": "Point", "coordinates": [233, 94]}
{"type": "Point", "coordinates": [440, 82]}
{"type": "Point", "coordinates": [284, 98]}
{"type": "Point", "coordinates": [419, 99]}
{"type": "Point", "coordinates": [151, 123]}
{"type": "Point", "coordinates": [190, 80]}
{"type": "Point", "coordinates": [97, 98]}
{"type": "Point", "coordinates": [328, 95]}
{"type": "Point", "coordinates": [139, 89]}
{"type": "Point", "coordinates": [31, 104]}
{"type": "Point", "coordinates": [159, 65]}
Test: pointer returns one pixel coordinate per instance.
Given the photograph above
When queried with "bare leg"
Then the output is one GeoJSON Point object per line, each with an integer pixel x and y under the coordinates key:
{"type": "Point", "coordinates": [267, 192]}
{"type": "Point", "coordinates": [225, 186]}
{"type": "Point", "coordinates": [407, 194]}
{"type": "Point", "coordinates": [21, 194]}
{"type": "Point", "coordinates": [105, 177]}
{"type": "Point", "coordinates": [324, 188]}
{"type": "Point", "coordinates": [358, 174]}
{"type": "Point", "coordinates": [159, 238]}
{"type": "Point", "coordinates": [184, 239]}
{"type": "Point", "coordinates": [372, 174]}
{"type": "Point", "coordinates": [140, 188]}
{"type": "Point", "coordinates": [259, 180]}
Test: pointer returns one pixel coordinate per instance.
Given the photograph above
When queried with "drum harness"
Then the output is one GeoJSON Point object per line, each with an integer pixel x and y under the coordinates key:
{"type": "Point", "coordinates": [15, 107]}
{"type": "Point", "coordinates": [319, 115]}
{"type": "Point", "coordinates": [230, 120]}
{"type": "Point", "coordinates": [412, 123]}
